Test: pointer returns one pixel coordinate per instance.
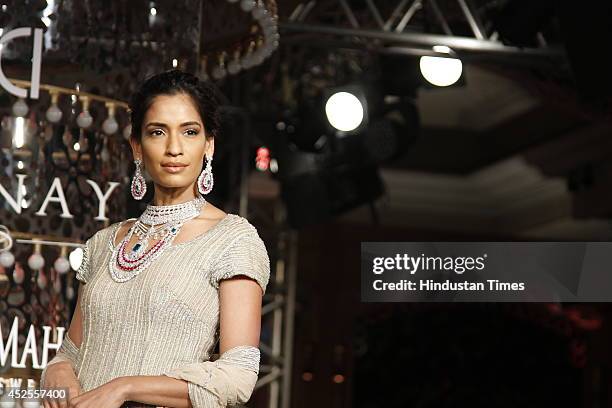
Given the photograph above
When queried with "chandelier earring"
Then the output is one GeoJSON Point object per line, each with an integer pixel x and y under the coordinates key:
{"type": "Point", "coordinates": [139, 185]}
{"type": "Point", "coordinates": [205, 180]}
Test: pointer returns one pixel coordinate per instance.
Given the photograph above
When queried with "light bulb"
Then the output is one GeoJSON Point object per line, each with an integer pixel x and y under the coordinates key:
{"type": "Point", "coordinates": [110, 125]}
{"type": "Point", "coordinates": [20, 108]}
{"type": "Point", "coordinates": [7, 259]}
{"type": "Point", "coordinates": [61, 265]}
{"type": "Point", "coordinates": [84, 120]}
{"type": "Point", "coordinates": [75, 258]}
{"type": "Point", "coordinates": [36, 261]}
{"type": "Point", "coordinates": [54, 114]}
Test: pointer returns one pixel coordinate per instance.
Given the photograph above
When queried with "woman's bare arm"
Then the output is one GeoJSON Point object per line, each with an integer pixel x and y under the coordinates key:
{"type": "Point", "coordinates": [240, 313]}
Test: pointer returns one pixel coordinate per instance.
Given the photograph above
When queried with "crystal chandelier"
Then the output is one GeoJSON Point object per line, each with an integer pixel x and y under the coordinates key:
{"type": "Point", "coordinates": [251, 50]}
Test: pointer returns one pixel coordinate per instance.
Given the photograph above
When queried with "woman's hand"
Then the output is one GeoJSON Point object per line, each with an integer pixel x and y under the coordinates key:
{"type": "Point", "coordinates": [61, 375]}
{"type": "Point", "coordinates": [110, 395]}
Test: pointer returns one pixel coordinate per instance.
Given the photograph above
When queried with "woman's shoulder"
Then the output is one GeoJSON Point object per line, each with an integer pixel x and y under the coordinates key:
{"type": "Point", "coordinates": [242, 252]}
{"type": "Point", "coordinates": [238, 225]}
{"type": "Point", "coordinates": [232, 230]}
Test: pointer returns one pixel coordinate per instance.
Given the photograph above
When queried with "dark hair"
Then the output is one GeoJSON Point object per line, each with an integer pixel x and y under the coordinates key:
{"type": "Point", "coordinates": [204, 95]}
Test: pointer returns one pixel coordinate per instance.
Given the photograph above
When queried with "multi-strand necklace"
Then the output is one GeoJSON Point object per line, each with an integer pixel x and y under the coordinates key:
{"type": "Point", "coordinates": [157, 222]}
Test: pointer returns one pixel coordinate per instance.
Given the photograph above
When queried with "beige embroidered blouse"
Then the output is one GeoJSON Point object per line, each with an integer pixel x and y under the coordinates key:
{"type": "Point", "coordinates": [167, 317]}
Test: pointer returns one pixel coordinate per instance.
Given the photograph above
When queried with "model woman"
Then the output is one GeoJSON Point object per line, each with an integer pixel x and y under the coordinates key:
{"type": "Point", "coordinates": [159, 291]}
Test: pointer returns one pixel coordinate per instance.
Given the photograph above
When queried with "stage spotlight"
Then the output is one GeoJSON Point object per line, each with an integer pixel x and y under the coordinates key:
{"type": "Point", "coordinates": [441, 71]}
{"type": "Point", "coordinates": [345, 111]}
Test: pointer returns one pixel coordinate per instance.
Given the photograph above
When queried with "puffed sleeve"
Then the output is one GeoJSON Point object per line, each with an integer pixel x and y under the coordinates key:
{"type": "Point", "coordinates": [246, 255]}
{"type": "Point", "coordinates": [84, 271]}
{"type": "Point", "coordinates": [227, 381]}
{"type": "Point", "coordinates": [68, 351]}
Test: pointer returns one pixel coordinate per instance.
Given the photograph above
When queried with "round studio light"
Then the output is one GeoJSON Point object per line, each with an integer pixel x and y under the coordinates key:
{"type": "Point", "coordinates": [344, 111]}
{"type": "Point", "coordinates": [441, 71]}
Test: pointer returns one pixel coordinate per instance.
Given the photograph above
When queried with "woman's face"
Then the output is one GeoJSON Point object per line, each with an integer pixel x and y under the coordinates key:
{"type": "Point", "coordinates": [173, 141]}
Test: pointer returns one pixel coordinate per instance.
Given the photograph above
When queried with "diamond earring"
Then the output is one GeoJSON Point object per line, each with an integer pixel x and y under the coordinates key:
{"type": "Point", "coordinates": [139, 185]}
{"type": "Point", "coordinates": [205, 179]}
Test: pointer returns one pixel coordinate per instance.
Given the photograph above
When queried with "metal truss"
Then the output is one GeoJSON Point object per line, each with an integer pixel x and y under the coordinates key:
{"type": "Point", "coordinates": [411, 27]}
{"type": "Point", "coordinates": [278, 308]}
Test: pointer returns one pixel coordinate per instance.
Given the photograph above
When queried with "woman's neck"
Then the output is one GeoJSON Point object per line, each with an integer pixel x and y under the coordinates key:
{"type": "Point", "coordinates": [172, 196]}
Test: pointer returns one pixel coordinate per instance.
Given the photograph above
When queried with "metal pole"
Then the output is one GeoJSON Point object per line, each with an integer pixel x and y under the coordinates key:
{"type": "Point", "coordinates": [292, 250]}
{"type": "Point", "coordinates": [426, 40]}
{"type": "Point", "coordinates": [244, 165]}
{"type": "Point", "coordinates": [472, 20]}
{"type": "Point", "coordinates": [277, 323]}
{"type": "Point", "coordinates": [408, 15]}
